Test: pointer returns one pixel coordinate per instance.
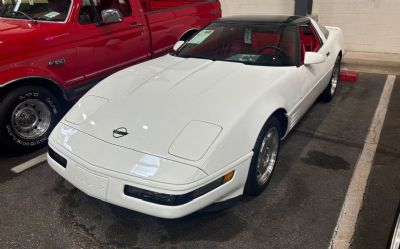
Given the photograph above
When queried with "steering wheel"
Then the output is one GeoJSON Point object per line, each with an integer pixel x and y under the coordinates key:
{"type": "Point", "coordinates": [274, 48]}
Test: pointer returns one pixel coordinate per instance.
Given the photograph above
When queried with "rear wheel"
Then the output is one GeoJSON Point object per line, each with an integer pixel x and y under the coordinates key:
{"type": "Point", "coordinates": [264, 159]}
{"type": "Point", "coordinates": [27, 116]}
{"type": "Point", "coordinates": [330, 90]}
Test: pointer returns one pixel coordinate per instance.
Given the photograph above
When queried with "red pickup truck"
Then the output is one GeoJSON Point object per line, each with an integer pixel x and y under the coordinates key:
{"type": "Point", "coordinates": [53, 51]}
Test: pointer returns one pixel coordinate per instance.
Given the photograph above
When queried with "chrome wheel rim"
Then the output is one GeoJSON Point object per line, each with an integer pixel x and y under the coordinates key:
{"type": "Point", "coordinates": [335, 78]}
{"type": "Point", "coordinates": [31, 119]}
{"type": "Point", "coordinates": [267, 155]}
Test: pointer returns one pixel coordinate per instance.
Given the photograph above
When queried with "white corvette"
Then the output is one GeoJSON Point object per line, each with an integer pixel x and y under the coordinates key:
{"type": "Point", "coordinates": [202, 125]}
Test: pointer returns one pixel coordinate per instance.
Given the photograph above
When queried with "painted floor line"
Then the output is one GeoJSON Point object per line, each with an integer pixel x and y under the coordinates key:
{"type": "Point", "coordinates": [345, 226]}
{"type": "Point", "coordinates": [26, 165]}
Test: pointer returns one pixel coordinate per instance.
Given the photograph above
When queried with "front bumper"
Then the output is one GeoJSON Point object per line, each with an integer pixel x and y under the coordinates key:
{"type": "Point", "coordinates": [110, 186]}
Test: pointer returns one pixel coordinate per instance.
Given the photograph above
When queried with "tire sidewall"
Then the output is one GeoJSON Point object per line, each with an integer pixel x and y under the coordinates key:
{"type": "Point", "coordinates": [326, 95]}
{"type": "Point", "coordinates": [252, 186]}
{"type": "Point", "coordinates": [337, 64]}
{"type": "Point", "coordinates": [11, 139]}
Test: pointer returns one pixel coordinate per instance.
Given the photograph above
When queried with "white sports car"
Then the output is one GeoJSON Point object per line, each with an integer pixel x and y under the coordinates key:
{"type": "Point", "coordinates": [202, 125]}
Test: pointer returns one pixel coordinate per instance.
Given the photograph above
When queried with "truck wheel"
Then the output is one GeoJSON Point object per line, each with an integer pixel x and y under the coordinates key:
{"type": "Point", "coordinates": [27, 116]}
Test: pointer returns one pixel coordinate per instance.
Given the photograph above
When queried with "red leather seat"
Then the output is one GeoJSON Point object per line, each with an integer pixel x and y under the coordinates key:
{"type": "Point", "coordinates": [309, 41]}
{"type": "Point", "coordinates": [260, 40]}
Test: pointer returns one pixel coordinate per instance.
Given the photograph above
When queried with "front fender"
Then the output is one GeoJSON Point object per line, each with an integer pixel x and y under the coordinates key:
{"type": "Point", "coordinates": [11, 75]}
{"type": "Point", "coordinates": [240, 138]}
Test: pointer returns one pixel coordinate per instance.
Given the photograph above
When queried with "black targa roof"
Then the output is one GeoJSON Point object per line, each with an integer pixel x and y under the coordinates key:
{"type": "Point", "coordinates": [264, 19]}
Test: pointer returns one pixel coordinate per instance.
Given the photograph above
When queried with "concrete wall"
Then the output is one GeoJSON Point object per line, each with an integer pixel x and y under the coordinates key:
{"type": "Point", "coordinates": [368, 25]}
{"type": "Point", "coordinates": [249, 7]}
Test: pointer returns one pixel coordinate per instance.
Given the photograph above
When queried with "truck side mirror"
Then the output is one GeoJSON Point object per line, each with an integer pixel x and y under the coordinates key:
{"type": "Point", "coordinates": [111, 16]}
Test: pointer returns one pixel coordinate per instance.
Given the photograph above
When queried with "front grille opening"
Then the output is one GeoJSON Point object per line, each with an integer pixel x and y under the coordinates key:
{"type": "Point", "coordinates": [58, 158]}
{"type": "Point", "coordinates": [171, 200]}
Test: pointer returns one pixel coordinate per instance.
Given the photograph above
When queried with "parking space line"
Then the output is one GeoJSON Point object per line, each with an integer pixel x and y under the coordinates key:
{"type": "Point", "coordinates": [345, 226]}
{"type": "Point", "coordinates": [26, 165]}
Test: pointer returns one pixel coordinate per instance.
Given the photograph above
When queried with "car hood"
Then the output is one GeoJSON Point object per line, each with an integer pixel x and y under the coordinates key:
{"type": "Point", "coordinates": [171, 107]}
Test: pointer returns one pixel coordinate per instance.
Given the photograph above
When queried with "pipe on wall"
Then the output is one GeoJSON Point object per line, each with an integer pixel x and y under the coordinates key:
{"type": "Point", "coordinates": [303, 7]}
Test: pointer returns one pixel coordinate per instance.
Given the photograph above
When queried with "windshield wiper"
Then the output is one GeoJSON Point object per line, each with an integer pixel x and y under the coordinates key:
{"type": "Point", "coordinates": [196, 57]}
{"type": "Point", "coordinates": [26, 15]}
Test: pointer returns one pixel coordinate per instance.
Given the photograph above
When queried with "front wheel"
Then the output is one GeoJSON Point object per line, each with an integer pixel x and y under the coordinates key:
{"type": "Point", "coordinates": [264, 158]}
{"type": "Point", "coordinates": [27, 116]}
{"type": "Point", "coordinates": [330, 90]}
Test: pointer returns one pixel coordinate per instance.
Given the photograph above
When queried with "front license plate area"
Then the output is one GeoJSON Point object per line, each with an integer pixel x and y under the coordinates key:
{"type": "Point", "coordinates": [90, 183]}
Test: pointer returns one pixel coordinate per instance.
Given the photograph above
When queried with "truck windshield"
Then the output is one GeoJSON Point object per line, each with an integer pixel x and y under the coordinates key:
{"type": "Point", "coordinates": [252, 44]}
{"type": "Point", "coordinates": [45, 10]}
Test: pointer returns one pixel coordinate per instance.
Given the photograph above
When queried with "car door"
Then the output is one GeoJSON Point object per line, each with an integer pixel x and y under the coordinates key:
{"type": "Point", "coordinates": [315, 77]}
{"type": "Point", "coordinates": [104, 48]}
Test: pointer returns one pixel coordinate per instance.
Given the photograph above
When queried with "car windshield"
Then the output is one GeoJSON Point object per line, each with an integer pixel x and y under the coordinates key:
{"type": "Point", "coordinates": [252, 44]}
{"type": "Point", "coordinates": [46, 10]}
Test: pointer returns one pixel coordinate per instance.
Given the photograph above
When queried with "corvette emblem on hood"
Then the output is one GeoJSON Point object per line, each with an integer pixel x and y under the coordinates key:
{"type": "Point", "coordinates": [120, 132]}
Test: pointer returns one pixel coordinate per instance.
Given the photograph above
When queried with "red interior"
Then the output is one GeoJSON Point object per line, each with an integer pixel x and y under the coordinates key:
{"type": "Point", "coordinates": [235, 43]}
{"type": "Point", "coordinates": [309, 40]}
{"type": "Point", "coordinates": [153, 5]}
{"type": "Point", "coordinates": [260, 40]}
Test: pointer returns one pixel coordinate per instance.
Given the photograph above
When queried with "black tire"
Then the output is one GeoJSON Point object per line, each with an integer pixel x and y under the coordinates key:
{"type": "Point", "coordinates": [253, 185]}
{"type": "Point", "coordinates": [27, 116]}
{"type": "Point", "coordinates": [329, 92]}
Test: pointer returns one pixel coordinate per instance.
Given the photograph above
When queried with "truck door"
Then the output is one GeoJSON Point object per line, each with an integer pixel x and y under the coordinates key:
{"type": "Point", "coordinates": [105, 48]}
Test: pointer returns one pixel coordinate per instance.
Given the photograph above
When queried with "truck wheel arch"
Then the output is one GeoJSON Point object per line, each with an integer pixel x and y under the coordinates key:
{"type": "Point", "coordinates": [47, 83]}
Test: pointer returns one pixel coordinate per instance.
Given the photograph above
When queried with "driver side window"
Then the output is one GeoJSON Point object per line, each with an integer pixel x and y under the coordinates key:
{"type": "Point", "coordinates": [90, 11]}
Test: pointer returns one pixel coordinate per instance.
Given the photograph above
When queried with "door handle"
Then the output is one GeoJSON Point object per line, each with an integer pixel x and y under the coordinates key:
{"type": "Point", "coordinates": [328, 54]}
{"type": "Point", "coordinates": [135, 25]}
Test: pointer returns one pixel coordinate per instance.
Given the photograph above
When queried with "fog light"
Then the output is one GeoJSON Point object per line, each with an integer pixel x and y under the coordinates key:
{"type": "Point", "coordinates": [229, 176]}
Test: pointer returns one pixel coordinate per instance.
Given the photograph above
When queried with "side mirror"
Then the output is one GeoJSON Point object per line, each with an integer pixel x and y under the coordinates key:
{"type": "Point", "coordinates": [111, 16]}
{"type": "Point", "coordinates": [178, 45]}
{"type": "Point", "coordinates": [313, 58]}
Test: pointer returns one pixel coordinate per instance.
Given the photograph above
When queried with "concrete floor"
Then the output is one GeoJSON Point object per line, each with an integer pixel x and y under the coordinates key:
{"type": "Point", "coordinates": [382, 197]}
{"type": "Point", "coordinates": [299, 209]}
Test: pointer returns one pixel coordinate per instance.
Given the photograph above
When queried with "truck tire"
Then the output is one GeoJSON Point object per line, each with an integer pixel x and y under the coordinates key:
{"type": "Point", "coordinates": [27, 116]}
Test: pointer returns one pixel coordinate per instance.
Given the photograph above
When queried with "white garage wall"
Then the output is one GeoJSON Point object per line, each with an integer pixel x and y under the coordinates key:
{"type": "Point", "coordinates": [368, 25]}
{"type": "Point", "coordinates": [249, 7]}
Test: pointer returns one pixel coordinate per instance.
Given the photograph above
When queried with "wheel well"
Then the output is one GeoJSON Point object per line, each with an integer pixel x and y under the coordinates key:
{"type": "Point", "coordinates": [188, 34]}
{"type": "Point", "coordinates": [281, 115]}
{"type": "Point", "coordinates": [45, 83]}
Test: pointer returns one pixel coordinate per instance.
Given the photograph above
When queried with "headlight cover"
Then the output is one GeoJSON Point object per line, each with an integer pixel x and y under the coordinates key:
{"type": "Point", "coordinates": [194, 140]}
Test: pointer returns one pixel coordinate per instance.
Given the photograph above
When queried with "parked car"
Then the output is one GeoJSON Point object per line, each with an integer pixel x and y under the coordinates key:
{"type": "Point", "coordinates": [203, 124]}
{"type": "Point", "coordinates": [53, 51]}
